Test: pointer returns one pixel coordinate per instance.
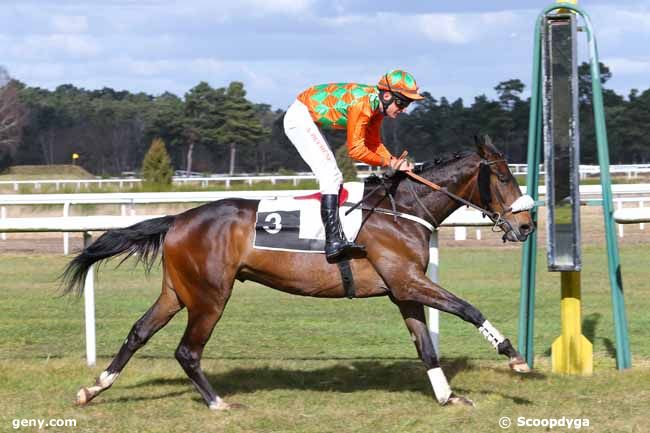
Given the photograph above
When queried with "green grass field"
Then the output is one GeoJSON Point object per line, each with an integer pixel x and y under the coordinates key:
{"type": "Point", "coordinates": [313, 365]}
{"type": "Point", "coordinates": [41, 172]}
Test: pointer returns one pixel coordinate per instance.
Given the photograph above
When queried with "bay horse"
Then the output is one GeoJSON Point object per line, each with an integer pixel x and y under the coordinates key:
{"type": "Point", "coordinates": [207, 248]}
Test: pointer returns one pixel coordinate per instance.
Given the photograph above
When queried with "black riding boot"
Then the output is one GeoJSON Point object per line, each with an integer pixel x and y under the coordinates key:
{"type": "Point", "coordinates": [336, 245]}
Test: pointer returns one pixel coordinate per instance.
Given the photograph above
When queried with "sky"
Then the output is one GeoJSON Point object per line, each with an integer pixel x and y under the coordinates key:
{"type": "Point", "coordinates": [278, 48]}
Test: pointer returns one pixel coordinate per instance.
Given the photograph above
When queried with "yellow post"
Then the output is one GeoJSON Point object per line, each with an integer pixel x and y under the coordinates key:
{"type": "Point", "coordinates": [566, 11]}
{"type": "Point", "coordinates": [571, 352]}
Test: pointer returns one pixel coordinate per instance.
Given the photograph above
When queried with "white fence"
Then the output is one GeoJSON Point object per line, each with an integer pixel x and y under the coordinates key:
{"type": "Point", "coordinates": [132, 198]}
{"type": "Point", "coordinates": [87, 224]}
{"type": "Point", "coordinates": [203, 181]}
{"type": "Point", "coordinates": [631, 171]}
{"type": "Point", "coordinates": [66, 223]}
{"type": "Point", "coordinates": [128, 201]}
{"type": "Point", "coordinates": [461, 218]}
{"type": "Point", "coordinates": [83, 224]}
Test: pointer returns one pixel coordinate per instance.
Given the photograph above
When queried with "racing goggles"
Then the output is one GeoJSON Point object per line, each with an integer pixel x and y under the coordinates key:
{"type": "Point", "coordinates": [401, 101]}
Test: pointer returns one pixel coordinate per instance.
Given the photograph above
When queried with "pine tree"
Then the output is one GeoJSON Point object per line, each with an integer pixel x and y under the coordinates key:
{"type": "Point", "coordinates": [242, 130]}
{"type": "Point", "coordinates": [202, 120]}
{"type": "Point", "coordinates": [156, 167]}
{"type": "Point", "coordinates": [346, 165]}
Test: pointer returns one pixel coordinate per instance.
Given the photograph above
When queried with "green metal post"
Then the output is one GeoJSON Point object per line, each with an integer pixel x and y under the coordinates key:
{"type": "Point", "coordinates": [529, 254]}
{"type": "Point", "coordinates": [527, 293]}
{"type": "Point", "coordinates": [530, 349]}
{"type": "Point", "coordinates": [623, 356]}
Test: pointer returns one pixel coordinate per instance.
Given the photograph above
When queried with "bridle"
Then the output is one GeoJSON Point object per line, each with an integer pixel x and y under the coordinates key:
{"type": "Point", "coordinates": [523, 203]}
{"type": "Point", "coordinates": [485, 173]}
{"type": "Point", "coordinates": [483, 182]}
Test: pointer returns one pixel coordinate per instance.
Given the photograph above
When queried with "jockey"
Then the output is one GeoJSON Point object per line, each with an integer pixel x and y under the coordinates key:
{"type": "Point", "coordinates": [360, 110]}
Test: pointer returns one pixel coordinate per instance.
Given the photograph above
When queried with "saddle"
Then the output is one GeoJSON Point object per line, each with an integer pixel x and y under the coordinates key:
{"type": "Point", "coordinates": [294, 223]}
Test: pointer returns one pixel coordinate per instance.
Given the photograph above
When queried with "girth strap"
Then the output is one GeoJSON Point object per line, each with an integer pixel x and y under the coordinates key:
{"type": "Point", "coordinates": [347, 278]}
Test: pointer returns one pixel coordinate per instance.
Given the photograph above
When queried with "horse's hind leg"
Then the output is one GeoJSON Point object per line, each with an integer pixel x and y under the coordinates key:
{"type": "Point", "coordinates": [199, 328]}
{"type": "Point", "coordinates": [201, 321]}
{"type": "Point", "coordinates": [413, 314]}
{"type": "Point", "coordinates": [154, 319]}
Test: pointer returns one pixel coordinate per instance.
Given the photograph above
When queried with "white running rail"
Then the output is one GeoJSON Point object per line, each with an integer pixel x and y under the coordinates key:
{"type": "Point", "coordinates": [462, 217]}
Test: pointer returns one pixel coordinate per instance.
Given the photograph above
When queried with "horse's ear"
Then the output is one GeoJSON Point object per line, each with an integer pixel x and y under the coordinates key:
{"type": "Point", "coordinates": [487, 148]}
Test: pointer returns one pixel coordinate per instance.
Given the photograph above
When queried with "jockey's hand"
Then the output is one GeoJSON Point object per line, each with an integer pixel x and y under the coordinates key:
{"type": "Point", "coordinates": [397, 164]}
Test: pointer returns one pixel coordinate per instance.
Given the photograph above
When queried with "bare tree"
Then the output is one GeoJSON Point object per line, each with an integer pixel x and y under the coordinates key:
{"type": "Point", "coordinates": [12, 117]}
{"type": "Point", "coordinates": [4, 76]}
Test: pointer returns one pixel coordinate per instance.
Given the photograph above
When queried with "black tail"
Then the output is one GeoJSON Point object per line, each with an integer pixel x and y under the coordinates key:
{"type": "Point", "coordinates": [144, 238]}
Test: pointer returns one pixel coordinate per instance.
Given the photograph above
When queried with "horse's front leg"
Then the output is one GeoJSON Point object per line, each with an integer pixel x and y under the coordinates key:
{"type": "Point", "coordinates": [413, 314]}
{"type": "Point", "coordinates": [433, 295]}
{"type": "Point", "coordinates": [419, 288]}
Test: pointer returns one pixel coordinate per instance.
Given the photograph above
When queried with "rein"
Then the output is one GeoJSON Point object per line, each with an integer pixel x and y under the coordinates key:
{"type": "Point", "coordinates": [521, 204]}
{"type": "Point", "coordinates": [437, 187]}
{"type": "Point", "coordinates": [496, 217]}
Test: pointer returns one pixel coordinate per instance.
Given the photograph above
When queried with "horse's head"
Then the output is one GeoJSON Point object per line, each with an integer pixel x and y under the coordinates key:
{"type": "Point", "coordinates": [499, 193]}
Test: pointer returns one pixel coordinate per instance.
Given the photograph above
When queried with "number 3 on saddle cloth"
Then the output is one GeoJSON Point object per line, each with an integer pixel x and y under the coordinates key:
{"type": "Point", "coordinates": [294, 223]}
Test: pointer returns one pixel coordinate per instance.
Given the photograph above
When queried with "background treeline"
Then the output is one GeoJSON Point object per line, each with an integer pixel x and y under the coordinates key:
{"type": "Point", "coordinates": [220, 130]}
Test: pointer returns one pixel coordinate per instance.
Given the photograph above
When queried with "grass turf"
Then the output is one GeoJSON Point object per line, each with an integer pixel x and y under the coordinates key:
{"type": "Point", "coordinates": [312, 365]}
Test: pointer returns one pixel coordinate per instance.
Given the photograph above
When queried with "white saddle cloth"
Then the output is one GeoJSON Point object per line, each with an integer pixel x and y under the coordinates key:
{"type": "Point", "coordinates": [294, 223]}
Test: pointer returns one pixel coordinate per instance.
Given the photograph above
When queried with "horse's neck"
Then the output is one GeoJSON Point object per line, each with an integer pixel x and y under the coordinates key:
{"type": "Point", "coordinates": [459, 177]}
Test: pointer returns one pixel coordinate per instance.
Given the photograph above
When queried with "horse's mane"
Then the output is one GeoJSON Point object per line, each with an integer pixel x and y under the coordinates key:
{"type": "Point", "coordinates": [439, 163]}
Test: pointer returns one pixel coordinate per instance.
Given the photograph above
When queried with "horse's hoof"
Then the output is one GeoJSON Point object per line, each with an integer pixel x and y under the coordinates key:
{"type": "Point", "coordinates": [457, 400]}
{"type": "Point", "coordinates": [222, 405]}
{"type": "Point", "coordinates": [83, 397]}
{"type": "Point", "coordinates": [519, 365]}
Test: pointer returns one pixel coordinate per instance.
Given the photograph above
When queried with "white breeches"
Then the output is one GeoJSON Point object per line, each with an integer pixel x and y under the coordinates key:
{"type": "Point", "coordinates": [312, 147]}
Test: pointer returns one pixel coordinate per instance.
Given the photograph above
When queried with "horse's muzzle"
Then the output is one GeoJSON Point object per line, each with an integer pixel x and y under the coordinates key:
{"type": "Point", "coordinates": [518, 233]}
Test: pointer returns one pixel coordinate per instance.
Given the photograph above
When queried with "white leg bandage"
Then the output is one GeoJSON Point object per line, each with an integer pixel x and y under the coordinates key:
{"type": "Point", "coordinates": [491, 334]}
{"type": "Point", "coordinates": [219, 404]}
{"type": "Point", "coordinates": [440, 385]}
{"type": "Point", "coordinates": [106, 379]}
